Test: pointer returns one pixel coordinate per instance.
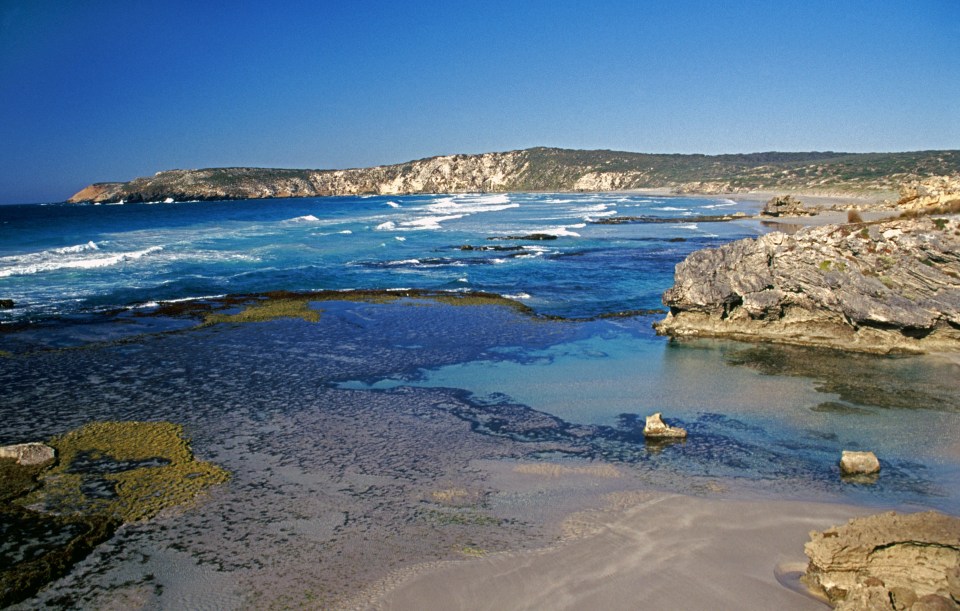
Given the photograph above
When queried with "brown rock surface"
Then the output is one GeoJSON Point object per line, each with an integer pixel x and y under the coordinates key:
{"type": "Point", "coordinates": [886, 561]}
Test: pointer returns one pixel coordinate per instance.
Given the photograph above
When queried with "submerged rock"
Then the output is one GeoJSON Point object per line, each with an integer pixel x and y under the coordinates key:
{"type": "Point", "coordinates": [885, 287]}
{"type": "Point", "coordinates": [859, 463]}
{"type": "Point", "coordinates": [656, 428]}
{"type": "Point", "coordinates": [28, 454]}
{"type": "Point", "coordinates": [887, 561]}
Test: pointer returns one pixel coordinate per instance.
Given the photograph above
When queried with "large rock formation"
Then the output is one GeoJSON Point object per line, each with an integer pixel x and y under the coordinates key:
{"type": "Point", "coordinates": [892, 286]}
{"type": "Point", "coordinates": [932, 192]}
{"type": "Point", "coordinates": [786, 205]}
{"type": "Point", "coordinates": [540, 169]}
{"type": "Point", "coordinates": [888, 561]}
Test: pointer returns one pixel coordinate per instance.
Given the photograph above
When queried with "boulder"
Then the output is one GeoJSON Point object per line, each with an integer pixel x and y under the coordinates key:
{"type": "Point", "coordinates": [859, 463]}
{"type": "Point", "coordinates": [656, 428]}
{"type": "Point", "coordinates": [26, 454]}
{"type": "Point", "coordinates": [786, 205]}
{"type": "Point", "coordinates": [6, 304]}
{"type": "Point", "coordinates": [897, 561]}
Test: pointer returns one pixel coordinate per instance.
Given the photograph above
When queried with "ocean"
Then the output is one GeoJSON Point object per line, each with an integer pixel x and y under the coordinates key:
{"type": "Point", "coordinates": [342, 430]}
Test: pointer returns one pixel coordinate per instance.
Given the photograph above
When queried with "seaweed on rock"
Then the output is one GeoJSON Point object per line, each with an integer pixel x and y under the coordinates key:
{"type": "Point", "coordinates": [107, 473]}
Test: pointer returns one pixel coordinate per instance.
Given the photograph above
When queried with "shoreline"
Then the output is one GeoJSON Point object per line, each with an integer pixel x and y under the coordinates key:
{"type": "Point", "coordinates": [646, 550]}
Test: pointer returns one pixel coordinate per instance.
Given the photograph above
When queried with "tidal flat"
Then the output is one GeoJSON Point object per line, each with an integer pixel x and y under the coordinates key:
{"type": "Point", "coordinates": [375, 441]}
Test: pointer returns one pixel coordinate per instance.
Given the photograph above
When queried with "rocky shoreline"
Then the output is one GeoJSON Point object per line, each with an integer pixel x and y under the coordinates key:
{"type": "Point", "coordinates": [886, 286]}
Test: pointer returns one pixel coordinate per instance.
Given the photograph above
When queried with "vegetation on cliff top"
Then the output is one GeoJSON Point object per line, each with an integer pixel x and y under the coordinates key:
{"type": "Point", "coordinates": [545, 169]}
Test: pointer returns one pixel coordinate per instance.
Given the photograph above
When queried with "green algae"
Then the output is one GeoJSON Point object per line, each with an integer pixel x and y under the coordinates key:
{"type": "Point", "coordinates": [163, 474]}
{"type": "Point", "coordinates": [269, 309]}
{"type": "Point", "coordinates": [107, 473]}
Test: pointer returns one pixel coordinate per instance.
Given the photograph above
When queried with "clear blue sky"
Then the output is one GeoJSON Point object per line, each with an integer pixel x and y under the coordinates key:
{"type": "Point", "coordinates": [99, 91]}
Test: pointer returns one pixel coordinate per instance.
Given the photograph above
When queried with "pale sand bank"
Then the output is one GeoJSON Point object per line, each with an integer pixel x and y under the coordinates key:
{"type": "Point", "coordinates": [665, 551]}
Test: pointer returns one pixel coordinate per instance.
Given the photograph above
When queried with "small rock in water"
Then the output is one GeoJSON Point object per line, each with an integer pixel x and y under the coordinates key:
{"type": "Point", "coordinates": [6, 304]}
{"type": "Point", "coordinates": [26, 454]}
{"type": "Point", "coordinates": [656, 428]}
{"type": "Point", "coordinates": [859, 463]}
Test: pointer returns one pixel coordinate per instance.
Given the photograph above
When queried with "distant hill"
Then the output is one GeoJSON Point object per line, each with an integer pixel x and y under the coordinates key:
{"type": "Point", "coordinates": [546, 169]}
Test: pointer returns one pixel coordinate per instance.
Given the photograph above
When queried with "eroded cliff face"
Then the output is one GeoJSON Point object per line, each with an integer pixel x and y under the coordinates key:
{"type": "Point", "coordinates": [447, 174]}
{"type": "Point", "coordinates": [885, 287]}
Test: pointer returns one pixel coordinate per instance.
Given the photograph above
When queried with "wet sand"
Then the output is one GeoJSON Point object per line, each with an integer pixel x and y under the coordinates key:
{"type": "Point", "coordinates": [664, 551]}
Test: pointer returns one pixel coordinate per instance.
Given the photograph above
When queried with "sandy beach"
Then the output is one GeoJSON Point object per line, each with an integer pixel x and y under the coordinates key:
{"type": "Point", "coordinates": [663, 551]}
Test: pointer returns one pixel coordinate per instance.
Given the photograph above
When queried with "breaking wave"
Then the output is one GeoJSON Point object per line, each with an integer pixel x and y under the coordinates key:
{"type": "Point", "coordinates": [71, 257]}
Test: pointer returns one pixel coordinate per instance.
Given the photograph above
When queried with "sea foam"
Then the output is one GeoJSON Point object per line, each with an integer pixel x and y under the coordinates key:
{"type": "Point", "coordinates": [42, 262]}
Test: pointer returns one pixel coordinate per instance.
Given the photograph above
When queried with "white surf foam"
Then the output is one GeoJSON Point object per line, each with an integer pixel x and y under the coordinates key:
{"type": "Point", "coordinates": [428, 222]}
{"type": "Point", "coordinates": [392, 204]}
{"type": "Point", "coordinates": [91, 245]}
{"type": "Point", "coordinates": [562, 231]}
{"type": "Point", "coordinates": [386, 226]}
{"type": "Point", "coordinates": [76, 260]}
{"type": "Point", "coordinates": [309, 218]}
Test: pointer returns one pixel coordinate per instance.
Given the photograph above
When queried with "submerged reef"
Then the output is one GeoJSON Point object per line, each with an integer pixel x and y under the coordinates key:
{"type": "Point", "coordinates": [106, 474]}
{"type": "Point", "coordinates": [270, 309]}
{"type": "Point", "coordinates": [275, 305]}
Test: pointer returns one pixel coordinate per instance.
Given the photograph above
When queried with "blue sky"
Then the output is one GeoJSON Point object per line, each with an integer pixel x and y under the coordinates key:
{"type": "Point", "coordinates": [99, 91]}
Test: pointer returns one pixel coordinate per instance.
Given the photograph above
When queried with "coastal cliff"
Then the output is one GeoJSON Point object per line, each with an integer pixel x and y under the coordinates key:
{"type": "Point", "coordinates": [890, 286]}
{"type": "Point", "coordinates": [543, 169]}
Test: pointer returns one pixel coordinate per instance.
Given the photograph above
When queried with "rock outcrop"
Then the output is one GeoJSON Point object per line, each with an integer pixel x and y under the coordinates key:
{"type": "Point", "coordinates": [888, 561]}
{"type": "Point", "coordinates": [539, 169]}
{"type": "Point", "coordinates": [29, 454]}
{"type": "Point", "coordinates": [884, 287]}
{"type": "Point", "coordinates": [786, 205]}
{"type": "Point", "coordinates": [656, 428]}
{"type": "Point", "coordinates": [933, 192]}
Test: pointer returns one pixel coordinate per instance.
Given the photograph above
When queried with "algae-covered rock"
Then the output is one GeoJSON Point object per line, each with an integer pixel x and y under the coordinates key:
{"type": "Point", "coordinates": [269, 309]}
{"type": "Point", "coordinates": [130, 470]}
{"type": "Point", "coordinates": [108, 473]}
